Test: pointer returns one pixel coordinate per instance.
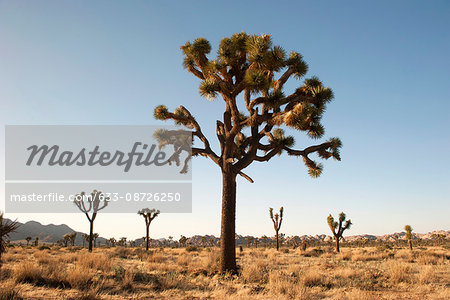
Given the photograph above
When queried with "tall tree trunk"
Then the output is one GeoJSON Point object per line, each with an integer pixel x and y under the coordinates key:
{"type": "Point", "coordinates": [91, 235]}
{"type": "Point", "coordinates": [147, 242]}
{"type": "Point", "coordinates": [337, 244]}
{"type": "Point", "coordinates": [228, 225]}
{"type": "Point", "coordinates": [410, 244]}
{"type": "Point", "coordinates": [278, 242]}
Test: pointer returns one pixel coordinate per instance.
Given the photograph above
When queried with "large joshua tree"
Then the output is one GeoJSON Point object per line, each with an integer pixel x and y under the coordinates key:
{"type": "Point", "coordinates": [249, 74]}
{"type": "Point", "coordinates": [6, 228]}
{"type": "Point", "coordinates": [338, 228]}
{"type": "Point", "coordinates": [408, 235]}
{"type": "Point", "coordinates": [91, 204]}
{"type": "Point", "coordinates": [149, 215]}
{"type": "Point", "coordinates": [277, 219]}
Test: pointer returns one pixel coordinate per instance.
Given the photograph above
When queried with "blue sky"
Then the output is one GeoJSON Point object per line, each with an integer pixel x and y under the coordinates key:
{"type": "Point", "coordinates": [112, 62]}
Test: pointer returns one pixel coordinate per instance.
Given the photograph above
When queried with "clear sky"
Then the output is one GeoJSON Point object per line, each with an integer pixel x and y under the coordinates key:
{"type": "Point", "coordinates": [112, 62]}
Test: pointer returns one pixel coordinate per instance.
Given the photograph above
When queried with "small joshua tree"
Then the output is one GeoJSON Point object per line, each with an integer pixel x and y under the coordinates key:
{"type": "Point", "coordinates": [340, 228]}
{"type": "Point", "coordinates": [66, 239]}
{"type": "Point", "coordinates": [92, 203]}
{"type": "Point", "coordinates": [6, 227]}
{"type": "Point", "coordinates": [183, 241]}
{"type": "Point", "coordinates": [276, 220]}
{"type": "Point", "coordinates": [28, 239]}
{"type": "Point", "coordinates": [36, 241]}
{"type": "Point", "coordinates": [149, 215]}
{"type": "Point", "coordinates": [72, 238]}
{"type": "Point", "coordinates": [85, 238]}
{"type": "Point", "coordinates": [408, 235]}
{"type": "Point", "coordinates": [112, 242]}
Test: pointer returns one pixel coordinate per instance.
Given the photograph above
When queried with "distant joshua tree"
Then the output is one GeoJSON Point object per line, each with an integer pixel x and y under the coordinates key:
{"type": "Point", "coordinates": [277, 219]}
{"type": "Point", "coordinates": [95, 237]}
{"type": "Point", "coordinates": [85, 238]}
{"type": "Point", "coordinates": [92, 203]}
{"type": "Point", "coordinates": [149, 215]}
{"type": "Point", "coordinates": [66, 239]}
{"type": "Point", "coordinates": [122, 242]}
{"type": "Point", "coordinates": [72, 238]}
{"type": "Point", "coordinates": [28, 239]}
{"type": "Point", "coordinates": [183, 241]}
{"type": "Point", "coordinates": [112, 242]}
{"type": "Point", "coordinates": [340, 228]}
{"type": "Point", "coordinates": [36, 241]}
{"type": "Point", "coordinates": [6, 227]}
{"type": "Point", "coordinates": [408, 236]}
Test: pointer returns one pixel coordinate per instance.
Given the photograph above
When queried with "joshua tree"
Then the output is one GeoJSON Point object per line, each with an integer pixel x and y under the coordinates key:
{"type": "Point", "coordinates": [112, 241]}
{"type": "Point", "coordinates": [6, 228]}
{"type": "Point", "coordinates": [28, 239]}
{"type": "Point", "coordinates": [72, 238]}
{"type": "Point", "coordinates": [250, 66]}
{"type": "Point", "coordinates": [408, 235]}
{"type": "Point", "coordinates": [92, 203]}
{"type": "Point", "coordinates": [85, 238]}
{"type": "Point", "coordinates": [95, 237]}
{"type": "Point", "coordinates": [264, 240]}
{"type": "Point", "coordinates": [340, 228]}
{"type": "Point", "coordinates": [183, 241]}
{"type": "Point", "coordinates": [149, 215]}
{"type": "Point", "coordinates": [66, 239]}
{"type": "Point", "coordinates": [276, 220]}
{"type": "Point", "coordinates": [122, 242]}
{"type": "Point", "coordinates": [36, 241]}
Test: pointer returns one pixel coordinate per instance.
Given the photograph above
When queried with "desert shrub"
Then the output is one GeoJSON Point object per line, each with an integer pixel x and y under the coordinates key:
{"type": "Point", "coordinates": [313, 252]}
{"type": "Point", "coordinates": [9, 291]}
{"type": "Point", "coordinates": [28, 272]}
{"type": "Point", "coordinates": [191, 248]}
{"type": "Point", "coordinates": [44, 247]}
{"type": "Point", "coordinates": [211, 262]}
{"type": "Point", "coordinates": [397, 272]}
{"type": "Point", "coordinates": [79, 277]}
{"type": "Point", "coordinates": [280, 283]}
{"type": "Point", "coordinates": [256, 272]}
{"type": "Point", "coordinates": [94, 261]}
{"type": "Point", "coordinates": [183, 260]}
{"type": "Point", "coordinates": [119, 272]}
{"type": "Point", "coordinates": [384, 247]}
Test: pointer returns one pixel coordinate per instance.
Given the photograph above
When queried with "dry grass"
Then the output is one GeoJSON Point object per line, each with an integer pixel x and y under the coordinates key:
{"type": "Point", "coordinates": [133, 273]}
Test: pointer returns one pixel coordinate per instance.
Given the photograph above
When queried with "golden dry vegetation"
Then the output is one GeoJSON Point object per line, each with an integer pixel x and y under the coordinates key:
{"type": "Point", "coordinates": [165, 273]}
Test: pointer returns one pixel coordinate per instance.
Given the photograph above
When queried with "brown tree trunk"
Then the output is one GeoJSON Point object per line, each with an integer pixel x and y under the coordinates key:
{"type": "Point", "coordinates": [410, 244]}
{"type": "Point", "coordinates": [91, 235]}
{"type": "Point", "coordinates": [278, 242]}
{"type": "Point", "coordinates": [228, 226]}
{"type": "Point", "coordinates": [337, 244]}
{"type": "Point", "coordinates": [147, 242]}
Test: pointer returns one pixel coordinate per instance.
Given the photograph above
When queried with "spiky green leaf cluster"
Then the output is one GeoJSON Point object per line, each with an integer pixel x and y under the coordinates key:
{"type": "Point", "coordinates": [275, 99]}
{"type": "Point", "coordinates": [256, 80]}
{"type": "Point", "coordinates": [209, 88]}
{"type": "Point", "coordinates": [296, 61]}
{"type": "Point", "coordinates": [408, 230]}
{"type": "Point", "coordinates": [161, 112]}
{"type": "Point", "coordinates": [331, 222]}
{"type": "Point", "coordinates": [280, 138]}
{"type": "Point", "coordinates": [195, 51]}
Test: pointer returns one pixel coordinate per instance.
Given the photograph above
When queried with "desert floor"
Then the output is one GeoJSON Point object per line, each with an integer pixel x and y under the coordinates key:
{"type": "Point", "coordinates": [165, 273]}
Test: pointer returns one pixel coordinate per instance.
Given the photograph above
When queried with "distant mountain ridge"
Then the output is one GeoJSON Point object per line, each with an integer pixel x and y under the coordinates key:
{"type": "Point", "coordinates": [52, 233]}
{"type": "Point", "coordinates": [47, 233]}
